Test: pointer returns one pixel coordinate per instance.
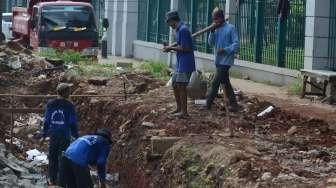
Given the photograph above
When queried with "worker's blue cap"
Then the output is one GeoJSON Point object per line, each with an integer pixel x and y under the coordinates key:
{"type": "Point", "coordinates": [172, 15]}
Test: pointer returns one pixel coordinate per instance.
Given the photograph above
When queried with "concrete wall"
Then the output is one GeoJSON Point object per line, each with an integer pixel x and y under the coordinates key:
{"type": "Point", "coordinates": [317, 34]}
{"type": "Point", "coordinates": [204, 62]}
{"type": "Point", "coordinates": [149, 51]}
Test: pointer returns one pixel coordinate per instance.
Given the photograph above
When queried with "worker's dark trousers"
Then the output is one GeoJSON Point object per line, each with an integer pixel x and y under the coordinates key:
{"type": "Point", "coordinates": [73, 175]}
{"type": "Point", "coordinates": [222, 77]}
{"type": "Point", "coordinates": [57, 144]}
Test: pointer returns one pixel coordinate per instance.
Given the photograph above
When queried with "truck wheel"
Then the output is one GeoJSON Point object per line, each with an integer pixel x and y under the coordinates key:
{"type": "Point", "coordinates": [2, 37]}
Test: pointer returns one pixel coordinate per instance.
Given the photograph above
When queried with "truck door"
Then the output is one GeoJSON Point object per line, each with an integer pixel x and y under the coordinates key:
{"type": "Point", "coordinates": [34, 23]}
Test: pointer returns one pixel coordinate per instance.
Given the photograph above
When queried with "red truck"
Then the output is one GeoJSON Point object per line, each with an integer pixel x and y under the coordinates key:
{"type": "Point", "coordinates": [57, 24]}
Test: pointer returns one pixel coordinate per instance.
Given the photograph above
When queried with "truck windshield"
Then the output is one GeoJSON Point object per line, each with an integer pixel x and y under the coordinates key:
{"type": "Point", "coordinates": [60, 17]}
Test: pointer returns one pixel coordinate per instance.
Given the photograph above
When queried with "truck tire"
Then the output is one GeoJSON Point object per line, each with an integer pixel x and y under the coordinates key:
{"type": "Point", "coordinates": [2, 37]}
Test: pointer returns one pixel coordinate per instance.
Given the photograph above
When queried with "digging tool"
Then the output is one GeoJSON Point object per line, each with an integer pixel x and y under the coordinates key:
{"type": "Point", "coordinates": [206, 29]}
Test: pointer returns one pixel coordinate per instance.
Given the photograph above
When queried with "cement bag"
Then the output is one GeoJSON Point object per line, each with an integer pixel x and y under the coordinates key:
{"type": "Point", "coordinates": [197, 87]}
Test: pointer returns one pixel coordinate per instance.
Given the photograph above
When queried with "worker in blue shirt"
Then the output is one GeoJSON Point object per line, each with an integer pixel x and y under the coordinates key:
{"type": "Point", "coordinates": [86, 150]}
{"type": "Point", "coordinates": [60, 123]}
{"type": "Point", "coordinates": [185, 64]}
{"type": "Point", "coordinates": [224, 39]}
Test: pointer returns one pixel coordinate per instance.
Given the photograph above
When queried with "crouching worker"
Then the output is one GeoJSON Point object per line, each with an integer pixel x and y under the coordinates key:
{"type": "Point", "coordinates": [86, 150]}
{"type": "Point", "coordinates": [60, 123]}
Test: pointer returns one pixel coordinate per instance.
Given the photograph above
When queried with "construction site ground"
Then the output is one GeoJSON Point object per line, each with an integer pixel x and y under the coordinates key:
{"type": "Point", "coordinates": [292, 146]}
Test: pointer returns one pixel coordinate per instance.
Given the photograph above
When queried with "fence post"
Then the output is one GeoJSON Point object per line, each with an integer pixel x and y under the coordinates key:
{"type": "Point", "coordinates": [253, 21]}
{"type": "Point", "coordinates": [158, 22]}
{"type": "Point", "coordinates": [193, 16]}
{"type": "Point", "coordinates": [209, 21]}
{"type": "Point", "coordinates": [147, 19]}
{"type": "Point", "coordinates": [281, 42]}
{"type": "Point", "coordinates": [258, 44]}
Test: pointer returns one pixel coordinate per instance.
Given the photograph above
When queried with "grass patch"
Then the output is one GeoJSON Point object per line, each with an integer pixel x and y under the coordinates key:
{"type": "Point", "coordinates": [295, 87]}
{"type": "Point", "coordinates": [68, 56]}
{"type": "Point", "coordinates": [81, 66]}
{"type": "Point", "coordinates": [89, 69]}
{"type": "Point", "coordinates": [156, 69]}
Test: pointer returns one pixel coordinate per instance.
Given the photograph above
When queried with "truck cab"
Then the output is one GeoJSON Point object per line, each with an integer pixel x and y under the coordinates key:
{"type": "Point", "coordinates": [60, 25]}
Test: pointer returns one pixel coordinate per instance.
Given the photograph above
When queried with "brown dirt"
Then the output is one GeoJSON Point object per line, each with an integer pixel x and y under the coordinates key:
{"type": "Point", "coordinates": [279, 153]}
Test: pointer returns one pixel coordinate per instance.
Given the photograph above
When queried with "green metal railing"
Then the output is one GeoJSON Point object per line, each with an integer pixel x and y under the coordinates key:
{"type": "Point", "coordinates": [245, 23]}
{"type": "Point", "coordinates": [295, 36]}
{"type": "Point", "coordinates": [264, 37]}
{"type": "Point", "coordinates": [267, 39]}
{"type": "Point", "coordinates": [151, 20]}
{"type": "Point", "coordinates": [332, 36]}
{"type": "Point", "coordinates": [197, 15]}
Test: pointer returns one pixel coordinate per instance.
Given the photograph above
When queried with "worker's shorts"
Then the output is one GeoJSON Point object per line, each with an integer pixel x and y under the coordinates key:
{"type": "Point", "coordinates": [181, 78]}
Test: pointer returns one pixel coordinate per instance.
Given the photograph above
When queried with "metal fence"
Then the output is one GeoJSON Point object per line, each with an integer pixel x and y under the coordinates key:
{"type": "Point", "coordinates": [332, 36]}
{"type": "Point", "coordinates": [151, 20]}
{"type": "Point", "coordinates": [197, 15]}
{"type": "Point", "coordinates": [268, 40]}
{"type": "Point", "coordinates": [264, 38]}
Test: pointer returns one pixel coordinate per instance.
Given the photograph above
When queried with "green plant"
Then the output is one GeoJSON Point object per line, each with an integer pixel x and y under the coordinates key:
{"type": "Point", "coordinates": [89, 69]}
{"type": "Point", "coordinates": [157, 69]}
{"type": "Point", "coordinates": [68, 56]}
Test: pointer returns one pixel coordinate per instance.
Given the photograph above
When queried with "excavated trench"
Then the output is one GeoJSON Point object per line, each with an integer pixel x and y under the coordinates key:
{"type": "Point", "coordinates": [153, 149]}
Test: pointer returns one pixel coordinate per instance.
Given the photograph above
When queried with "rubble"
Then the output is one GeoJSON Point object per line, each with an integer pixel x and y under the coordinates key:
{"type": "Point", "coordinates": [263, 152]}
{"type": "Point", "coordinates": [16, 173]}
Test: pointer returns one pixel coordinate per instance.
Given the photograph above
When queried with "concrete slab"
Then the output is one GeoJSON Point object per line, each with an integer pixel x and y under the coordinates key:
{"type": "Point", "coordinates": [161, 144]}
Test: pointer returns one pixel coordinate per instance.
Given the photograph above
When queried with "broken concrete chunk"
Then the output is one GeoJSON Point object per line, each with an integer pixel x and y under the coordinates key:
{"type": "Point", "coordinates": [148, 124]}
{"type": "Point", "coordinates": [292, 130]}
{"type": "Point", "coordinates": [124, 64]}
{"type": "Point", "coordinates": [266, 176]}
{"type": "Point", "coordinates": [161, 144]}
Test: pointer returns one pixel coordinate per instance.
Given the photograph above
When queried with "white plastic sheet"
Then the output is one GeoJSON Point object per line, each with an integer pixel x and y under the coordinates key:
{"type": "Point", "coordinates": [36, 155]}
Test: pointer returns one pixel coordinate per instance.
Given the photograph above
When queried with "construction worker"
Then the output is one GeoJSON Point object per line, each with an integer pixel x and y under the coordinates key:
{"type": "Point", "coordinates": [224, 39]}
{"type": "Point", "coordinates": [185, 64]}
{"type": "Point", "coordinates": [86, 150]}
{"type": "Point", "coordinates": [60, 123]}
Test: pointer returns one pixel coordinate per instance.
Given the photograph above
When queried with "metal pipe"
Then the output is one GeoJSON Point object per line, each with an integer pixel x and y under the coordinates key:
{"type": "Point", "coordinates": [71, 96]}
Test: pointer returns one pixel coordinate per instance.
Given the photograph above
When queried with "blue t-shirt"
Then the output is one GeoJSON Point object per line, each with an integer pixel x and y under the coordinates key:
{"type": "Point", "coordinates": [185, 60]}
{"type": "Point", "coordinates": [60, 119]}
{"type": "Point", "coordinates": [90, 150]}
{"type": "Point", "coordinates": [225, 37]}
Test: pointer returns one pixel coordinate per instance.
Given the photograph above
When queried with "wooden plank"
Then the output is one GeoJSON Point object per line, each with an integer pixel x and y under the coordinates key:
{"type": "Point", "coordinates": [21, 110]}
{"type": "Point", "coordinates": [71, 96]}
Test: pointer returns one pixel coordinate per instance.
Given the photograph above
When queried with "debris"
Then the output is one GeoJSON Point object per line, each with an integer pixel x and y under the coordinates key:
{"type": "Point", "coordinates": [99, 81]}
{"type": "Point", "coordinates": [266, 111]}
{"type": "Point", "coordinates": [200, 102]}
{"type": "Point", "coordinates": [266, 176]}
{"type": "Point", "coordinates": [169, 83]}
{"type": "Point", "coordinates": [292, 130]}
{"type": "Point", "coordinates": [36, 155]}
{"type": "Point", "coordinates": [148, 124]}
{"type": "Point", "coordinates": [126, 65]}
